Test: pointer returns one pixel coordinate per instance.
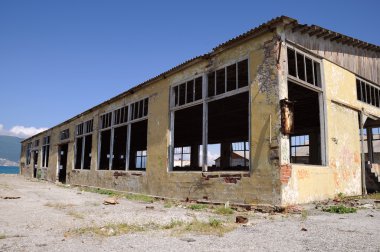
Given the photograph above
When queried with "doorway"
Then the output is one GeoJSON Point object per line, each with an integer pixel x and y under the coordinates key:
{"type": "Point", "coordinates": [35, 162]}
{"type": "Point", "coordinates": [62, 150]}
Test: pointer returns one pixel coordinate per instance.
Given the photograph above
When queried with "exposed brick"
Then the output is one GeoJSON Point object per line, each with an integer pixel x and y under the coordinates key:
{"type": "Point", "coordinates": [285, 173]}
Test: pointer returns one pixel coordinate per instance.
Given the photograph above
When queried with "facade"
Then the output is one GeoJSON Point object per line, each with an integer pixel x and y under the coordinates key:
{"type": "Point", "coordinates": [288, 98]}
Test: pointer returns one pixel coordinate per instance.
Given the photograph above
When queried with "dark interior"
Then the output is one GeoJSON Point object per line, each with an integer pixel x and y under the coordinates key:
{"type": "Point", "coordinates": [306, 122]}
{"type": "Point", "coordinates": [105, 138]}
{"type": "Point", "coordinates": [139, 134]}
{"type": "Point", "coordinates": [119, 148]}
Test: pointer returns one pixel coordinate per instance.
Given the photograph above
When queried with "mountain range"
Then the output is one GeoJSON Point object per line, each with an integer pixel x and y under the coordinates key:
{"type": "Point", "coordinates": [10, 148]}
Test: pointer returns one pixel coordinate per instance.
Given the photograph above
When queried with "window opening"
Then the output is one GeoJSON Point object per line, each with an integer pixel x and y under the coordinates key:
{"type": "Point", "coordinates": [83, 145]}
{"type": "Point", "coordinates": [300, 149]}
{"type": "Point", "coordinates": [138, 145]}
{"type": "Point", "coordinates": [65, 134]}
{"type": "Point", "coordinates": [305, 142]}
{"type": "Point", "coordinates": [303, 68]}
{"type": "Point", "coordinates": [227, 118]}
{"type": "Point", "coordinates": [120, 132]}
{"type": "Point", "coordinates": [368, 93]}
{"type": "Point", "coordinates": [228, 125]}
{"type": "Point", "coordinates": [28, 153]}
{"type": "Point", "coordinates": [188, 135]}
{"type": "Point", "coordinates": [45, 151]}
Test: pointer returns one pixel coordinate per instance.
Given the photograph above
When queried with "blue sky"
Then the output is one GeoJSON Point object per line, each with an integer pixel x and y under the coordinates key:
{"type": "Point", "coordinates": [59, 58]}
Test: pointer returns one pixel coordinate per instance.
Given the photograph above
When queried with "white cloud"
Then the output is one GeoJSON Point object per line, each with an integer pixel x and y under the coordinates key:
{"type": "Point", "coordinates": [20, 131]}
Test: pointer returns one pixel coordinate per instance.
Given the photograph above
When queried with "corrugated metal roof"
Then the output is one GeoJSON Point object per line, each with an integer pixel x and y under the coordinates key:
{"type": "Point", "coordinates": [290, 23]}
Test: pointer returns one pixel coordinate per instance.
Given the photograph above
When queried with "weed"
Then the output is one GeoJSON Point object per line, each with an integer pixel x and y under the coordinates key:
{"type": "Point", "coordinates": [212, 227]}
{"type": "Point", "coordinates": [168, 204]}
{"type": "Point", "coordinates": [215, 222]}
{"type": "Point", "coordinates": [173, 224]}
{"type": "Point", "coordinates": [224, 210]}
{"type": "Point", "coordinates": [76, 215]}
{"type": "Point", "coordinates": [340, 195]}
{"type": "Point", "coordinates": [59, 206]}
{"type": "Point", "coordinates": [107, 230]}
{"type": "Point", "coordinates": [197, 207]}
{"type": "Point", "coordinates": [375, 196]}
{"type": "Point", "coordinates": [339, 209]}
{"type": "Point", "coordinates": [2, 236]}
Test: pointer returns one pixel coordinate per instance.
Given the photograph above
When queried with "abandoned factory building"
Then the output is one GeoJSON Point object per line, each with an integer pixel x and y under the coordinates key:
{"type": "Point", "coordinates": [285, 113]}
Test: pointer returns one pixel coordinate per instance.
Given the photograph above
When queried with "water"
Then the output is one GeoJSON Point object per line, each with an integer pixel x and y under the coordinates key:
{"type": "Point", "coordinates": [9, 170]}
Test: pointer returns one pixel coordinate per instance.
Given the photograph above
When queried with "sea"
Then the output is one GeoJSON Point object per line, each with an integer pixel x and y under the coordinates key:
{"type": "Point", "coordinates": [9, 170]}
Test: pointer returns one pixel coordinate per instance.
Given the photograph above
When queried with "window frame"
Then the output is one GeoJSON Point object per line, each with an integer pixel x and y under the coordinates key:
{"type": "Point", "coordinates": [64, 135]}
{"type": "Point", "coordinates": [204, 101]}
{"type": "Point", "coordinates": [299, 145]}
{"type": "Point", "coordinates": [363, 86]}
{"type": "Point", "coordinates": [321, 100]}
{"type": "Point", "coordinates": [85, 132]}
{"type": "Point", "coordinates": [45, 149]}
{"type": "Point", "coordinates": [298, 80]}
{"type": "Point", "coordinates": [112, 127]}
{"type": "Point", "coordinates": [29, 146]}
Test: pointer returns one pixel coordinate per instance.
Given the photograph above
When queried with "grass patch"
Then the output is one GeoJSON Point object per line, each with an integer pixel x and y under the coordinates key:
{"type": "Point", "coordinates": [224, 210]}
{"type": "Point", "coordinates": [341, 209]}
{"type": "Point", "coordinates": [304, 215]}
{"type": "Point", "coordinates": [174, 224]}
{"type": "Point", "coordinates": [111, 193]}
{"type": "Point", "coordinates": [212, 227]}
{"type": "Point", "coordinates": [107, 230]}
{"type": "Point", "coordinates": [2, 236]}
{"type": "Point", "coordinates": [198, 207]}
{"type": "Point", "coordinates": [139, 197]}
{"type": "Point", "coordinates": [59, 206]}
{"type": "Point", "coordinates": [101, 191]}
{"type": "Point", "coordinates": [168, 204]}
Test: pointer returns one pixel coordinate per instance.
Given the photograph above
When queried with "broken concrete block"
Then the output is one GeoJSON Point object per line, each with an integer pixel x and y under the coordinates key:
{"type": "Point", "coordinates": [241, 219]}
{"type": "Point", "coordinates": [110, 201]}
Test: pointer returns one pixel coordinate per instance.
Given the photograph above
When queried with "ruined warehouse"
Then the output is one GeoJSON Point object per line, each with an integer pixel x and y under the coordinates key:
{"type": "Point", "coordinates": [285, 113]}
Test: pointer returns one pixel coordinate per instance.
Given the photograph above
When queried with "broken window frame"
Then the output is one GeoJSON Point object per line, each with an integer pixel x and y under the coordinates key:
{"type": "Point", "coordinates": [131, 118]}
{"type": "Point", "coordinates": [204, 101]}
{"type": "Point", "coordinates": [316, 86]}
{"type": "Point", "coordinates": [82, 130]}
{"type": "Point", "coordinates": [45, 151]}
{"type": "Point", "coordinates": [319, 89]}
{"type": "Point", "coordinates": [367, 92]}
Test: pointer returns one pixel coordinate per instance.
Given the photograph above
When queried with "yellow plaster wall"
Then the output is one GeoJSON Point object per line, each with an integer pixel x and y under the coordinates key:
{"type": "Point", "coordinates": [342, 173]}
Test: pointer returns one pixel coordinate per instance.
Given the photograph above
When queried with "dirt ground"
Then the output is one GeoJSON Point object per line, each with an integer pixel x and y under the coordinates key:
{"type": "Point", "coordinates": [49, 217]}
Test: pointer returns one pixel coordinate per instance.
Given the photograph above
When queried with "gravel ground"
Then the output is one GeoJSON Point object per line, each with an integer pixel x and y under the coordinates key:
{"type": "Point", "coordinates": [40, 219]}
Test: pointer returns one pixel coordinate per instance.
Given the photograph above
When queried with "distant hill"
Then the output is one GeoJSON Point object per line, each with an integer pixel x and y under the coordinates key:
{"type": "Point", "coordinates": [10, 148]}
